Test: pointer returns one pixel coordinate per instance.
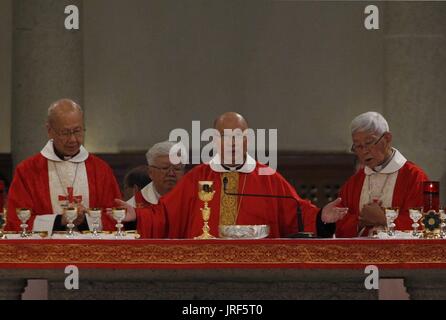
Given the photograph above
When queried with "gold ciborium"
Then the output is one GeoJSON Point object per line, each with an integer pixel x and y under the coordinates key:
{"type": "Point", "coordinates": [205, 193]}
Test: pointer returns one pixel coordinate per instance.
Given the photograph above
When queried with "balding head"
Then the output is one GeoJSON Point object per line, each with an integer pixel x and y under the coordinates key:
{"type": "Point", "coordinates": [65, 125]}
{"type": "Point", "coordinates": [61, 107]}
{"type": "Point", "coordinates": [230, 120]}
{"type": "Point", "coordinates": [232, 144]}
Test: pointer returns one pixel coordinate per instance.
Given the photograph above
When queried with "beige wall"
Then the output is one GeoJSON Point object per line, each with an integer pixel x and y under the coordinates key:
{"type": "Point", "coordinates": [5, 74]}
{"type": "Point", "coordinates": [415, 83]}
{"type": "Point", "coordinates": [305, 68]}
{"type": "Point", "coordinates": [150, 66]}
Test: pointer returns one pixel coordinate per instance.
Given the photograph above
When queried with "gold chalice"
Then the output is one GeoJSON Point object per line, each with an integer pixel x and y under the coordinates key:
{"type": "Point", "coordinates": [205, 193]}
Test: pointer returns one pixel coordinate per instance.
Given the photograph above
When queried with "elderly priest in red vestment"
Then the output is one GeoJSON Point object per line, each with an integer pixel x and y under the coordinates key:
{"type": "Point", "coordinates": [387, 179]}
{"type": "Point", "coordinates": [162, 172]}
{"type": "Point", "coordinates": [178, 214]}
{"type": "Point", "coordinates": [62, 174]}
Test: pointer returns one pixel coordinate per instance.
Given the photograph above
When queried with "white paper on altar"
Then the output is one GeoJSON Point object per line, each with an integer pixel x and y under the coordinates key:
{"type": "Point", "coordinates": [44, 222]}
{"type": "Point", "coordinates": [17, 236]}
{"type": "Point", "coordinates": [89, 236]}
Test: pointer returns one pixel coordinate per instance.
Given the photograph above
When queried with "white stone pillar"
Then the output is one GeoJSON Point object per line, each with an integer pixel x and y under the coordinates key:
{"type": "Point", "coordinates": [47, 66]}
{"type": "Point", "coordinates": [415, 83]}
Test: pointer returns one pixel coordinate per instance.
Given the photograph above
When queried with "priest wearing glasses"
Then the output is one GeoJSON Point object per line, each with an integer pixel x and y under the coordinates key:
{"type": "Point", "coordinates": [178, 214]}
{"type": "Point", "coordinates": [62, 174]}
{"type": "Point", "coordinates": [163, 175]}
{"type": "Point", "coordinates": [386, 179]}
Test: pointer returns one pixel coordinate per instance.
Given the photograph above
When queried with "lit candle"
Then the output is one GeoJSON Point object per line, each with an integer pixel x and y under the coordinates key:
{"type": "Point", "coordinates": [431, 190]}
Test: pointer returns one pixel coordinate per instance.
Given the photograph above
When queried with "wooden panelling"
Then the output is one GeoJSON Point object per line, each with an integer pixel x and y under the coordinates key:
{"type": "Point", "coordinates": [316, 176]}
{"type": "Point", "coordinates": [6, 168]}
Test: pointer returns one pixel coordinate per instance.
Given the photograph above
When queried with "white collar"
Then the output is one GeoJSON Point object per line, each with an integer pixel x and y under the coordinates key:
{"type": "Point", "coordinates": [247, 167]}
{"type": "Point", "coordinates": [394, 165]}
{"type": "Point", "coordinates": [150, 194]}
{"type": "Point", "coordinates": [48, 152]}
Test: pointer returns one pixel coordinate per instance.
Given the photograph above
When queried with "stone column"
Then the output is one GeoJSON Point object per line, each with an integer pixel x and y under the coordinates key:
{"type": "Point", "coordinates": [415, 82]}
{"type": "Point", "coordinates": [47, 66]}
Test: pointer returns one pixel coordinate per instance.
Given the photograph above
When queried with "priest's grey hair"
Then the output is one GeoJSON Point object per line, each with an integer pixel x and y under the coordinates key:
{"type": "Point", "coordinates": [371, 121]}
{"type": "Point", "coordinates": [159, 149]}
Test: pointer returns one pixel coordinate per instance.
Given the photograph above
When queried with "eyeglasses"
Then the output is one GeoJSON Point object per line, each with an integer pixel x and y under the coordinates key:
{"type": "Point", "coordinates": [174, 168]}
{"type": "Point", "coordinates": [366, 146]}
{"type": "Point", "coordinates": [66, 133]}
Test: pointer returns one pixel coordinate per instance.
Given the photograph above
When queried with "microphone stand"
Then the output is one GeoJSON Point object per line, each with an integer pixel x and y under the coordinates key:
{"type": "Point", "coordinates": [300, 225]}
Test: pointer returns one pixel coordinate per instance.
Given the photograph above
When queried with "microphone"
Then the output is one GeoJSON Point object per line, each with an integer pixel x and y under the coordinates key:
{"type": "Point", "coordinates": [300, 225]}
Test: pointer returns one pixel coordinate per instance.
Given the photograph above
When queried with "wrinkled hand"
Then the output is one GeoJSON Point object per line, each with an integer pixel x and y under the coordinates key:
{"type": "Point", "coordinates": [332, 213]}
{"type": "Point", "coordinates": [81, 210]}
{"type": "Point", "coordinates": [372, 215]}
{"type": "Point", "coordinates": [130, 214]}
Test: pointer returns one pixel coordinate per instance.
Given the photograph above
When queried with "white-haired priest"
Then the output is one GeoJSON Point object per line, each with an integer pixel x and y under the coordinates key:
{"type": "Point", "coordinates": [163, 175]}
{"type": "Point", "coordinates": [386, 179]}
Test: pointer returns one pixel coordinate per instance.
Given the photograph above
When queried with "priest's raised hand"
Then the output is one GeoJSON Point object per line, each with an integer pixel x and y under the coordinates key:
{"type": "Point", "coordinates": [332, 212]}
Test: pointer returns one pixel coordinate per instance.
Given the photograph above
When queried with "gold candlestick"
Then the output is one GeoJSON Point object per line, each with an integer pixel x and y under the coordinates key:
{"type": "Point", "coordinates": [205, 193]}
